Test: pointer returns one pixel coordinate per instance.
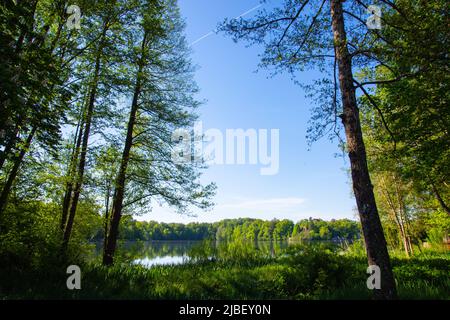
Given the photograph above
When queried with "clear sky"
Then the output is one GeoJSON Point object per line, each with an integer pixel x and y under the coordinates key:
{"type": "Point", "coordinates": [310, 183]}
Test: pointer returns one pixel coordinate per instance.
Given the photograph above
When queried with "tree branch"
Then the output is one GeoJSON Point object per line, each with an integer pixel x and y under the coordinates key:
{"type": "Point", "coordinates": [309, 29]}
{"type": "Point", "coordinates": [379, 112]}
{"type": "Point", "coordinates": [440, 200]}
{"type": "Point", "coordinates": [293, 20]}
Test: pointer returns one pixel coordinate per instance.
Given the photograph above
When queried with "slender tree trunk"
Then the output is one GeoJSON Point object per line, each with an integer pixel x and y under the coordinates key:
{"type": "Point", "coordinates": [10, 144]}
{"type": "Point", "coordinates": [73, 161]}
{"type": "Point", "coordinates": [404, 239]}
{"type": "Point", "coordinates": [403, 216]}
{"type": "Point", "coordinates": [404, 225]}
{"type": "Point", "coordinates": [117, 206]}
{"type": "Point", "coordinates": [85, 142]}
{"type": "Point", "coordinates": [106, 218]}
{"type": "Point", "coordinates": [14, 171]}
{"type": "Point", "coordinates": [375, 241]}
{"type": "Point", "coordinates": [410, 244]}
{"type": "Point", "coordinates": [26, 34]}
{"type": "Point", "coordinates": [440, 200]}
{"type": "Point", "coordinates": [71, 176]}
{"type": "Point", "coordinates": [61, 15]}
{"type": "Point", "coordinates": [82, 162]}
{"type": "Point", "coordinates": [408, 235]}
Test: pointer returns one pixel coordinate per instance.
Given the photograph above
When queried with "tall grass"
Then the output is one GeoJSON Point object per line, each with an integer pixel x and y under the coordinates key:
{"type": "Point", "coordinates": [300, 272]}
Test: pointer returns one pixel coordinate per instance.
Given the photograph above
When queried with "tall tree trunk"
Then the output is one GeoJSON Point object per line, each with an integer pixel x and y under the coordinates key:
{"type": "Point", "coordinates": [119, 192]}
{"type": "Point", "coordinates": [86, 133]}
{"type": "Point", "coordinates": [82, 163]}
{"type": "Point", "coordinates": [10, 143]}
{"type": "Point", "coordinates": [29, 18]}
{"type": "Point", "coordinates": [71, 175]}
{"type": "Point", "coordinates": [440, 200]}
{"type": "Point", "coordinates": [403, 218]}
{"type": "Point", "coordinates": [375, 241]}
{"type": "Point", "coordinates": [14, 171]}
{"type": "Point", "coordinates": [408, 235]}
{"type": "Point", "coordinates": [106, 218]}
{"type": "Point", "coordinates": [402, 215]}
{"type": "Point", "coordinates": [404, 238]}
{"type": "Point", "coordinates": [117, 206]}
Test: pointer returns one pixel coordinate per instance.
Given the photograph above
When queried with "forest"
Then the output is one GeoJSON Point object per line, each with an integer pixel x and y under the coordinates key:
{"type": "Point", "coordinates": [238, 229]}
{"type": "Point", "coordinates": [87, 120]}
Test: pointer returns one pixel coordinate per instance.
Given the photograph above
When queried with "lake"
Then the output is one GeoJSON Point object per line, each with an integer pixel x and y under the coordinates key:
{"type": "Point", "coordinates": [154, 253]}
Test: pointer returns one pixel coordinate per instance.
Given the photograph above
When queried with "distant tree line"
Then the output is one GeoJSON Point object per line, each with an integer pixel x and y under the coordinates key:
{"type": "Point", "coordinates": [240, 229]}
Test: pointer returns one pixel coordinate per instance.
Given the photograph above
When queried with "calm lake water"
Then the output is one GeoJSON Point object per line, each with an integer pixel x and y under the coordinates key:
{"type": "Point", "coordinates": [154, 253]}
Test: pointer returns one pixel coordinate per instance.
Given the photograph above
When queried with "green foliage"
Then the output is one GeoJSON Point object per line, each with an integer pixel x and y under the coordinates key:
{"type": "Point", "coordinates": [30, 237]}
{"type": "Point", "coordinates": [316, 229]}
{"type": "Point", "coordinates": [241, 229]}
{"type": "Point", "coordinates": [438, 227]}
{"type": "Point", "coordinates": [300, 272]}
{"type": "Point", "coordinates": [406, 120]}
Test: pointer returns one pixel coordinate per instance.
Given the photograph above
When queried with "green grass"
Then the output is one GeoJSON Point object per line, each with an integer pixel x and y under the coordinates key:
{"type": "Point", "coordinates": [300, 273]}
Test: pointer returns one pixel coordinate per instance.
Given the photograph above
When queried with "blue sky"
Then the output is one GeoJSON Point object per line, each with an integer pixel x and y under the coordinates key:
{"type": "Point", "coordinates": [310, 183]}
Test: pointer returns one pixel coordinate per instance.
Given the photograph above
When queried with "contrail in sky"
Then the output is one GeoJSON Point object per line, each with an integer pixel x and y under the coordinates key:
{"type": "Point", "coordinates": [212, 32]}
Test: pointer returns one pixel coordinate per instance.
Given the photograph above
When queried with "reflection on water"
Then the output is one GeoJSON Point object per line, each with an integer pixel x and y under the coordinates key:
{"type": "Point", "coordinates": [161, 261]}
{"type": "Point", "coordinates": [154, 253]}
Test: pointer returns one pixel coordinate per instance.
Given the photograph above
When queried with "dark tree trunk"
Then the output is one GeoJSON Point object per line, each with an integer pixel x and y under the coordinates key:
{"type": "Point", "coordinates": [83, 155]}
{"type": "Point", "coordinates": [14, 171]}
{"type": "Point", "coordinates": [71, 175]}
{"type": "Point", "coordinates": [10, 144]}
{"type": "Point", "coordinates": [106, 218]}
{"type": "Point", "coordinates": [117, 206]}
{"type": "Point", "coordinates": [27, 29]}
{"type": "Point", "coordinates": [86, 132]}
{"type": "Point", "coordinates": [375, 241]}
{"type": "Point", "coordinates": [440, 200]}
